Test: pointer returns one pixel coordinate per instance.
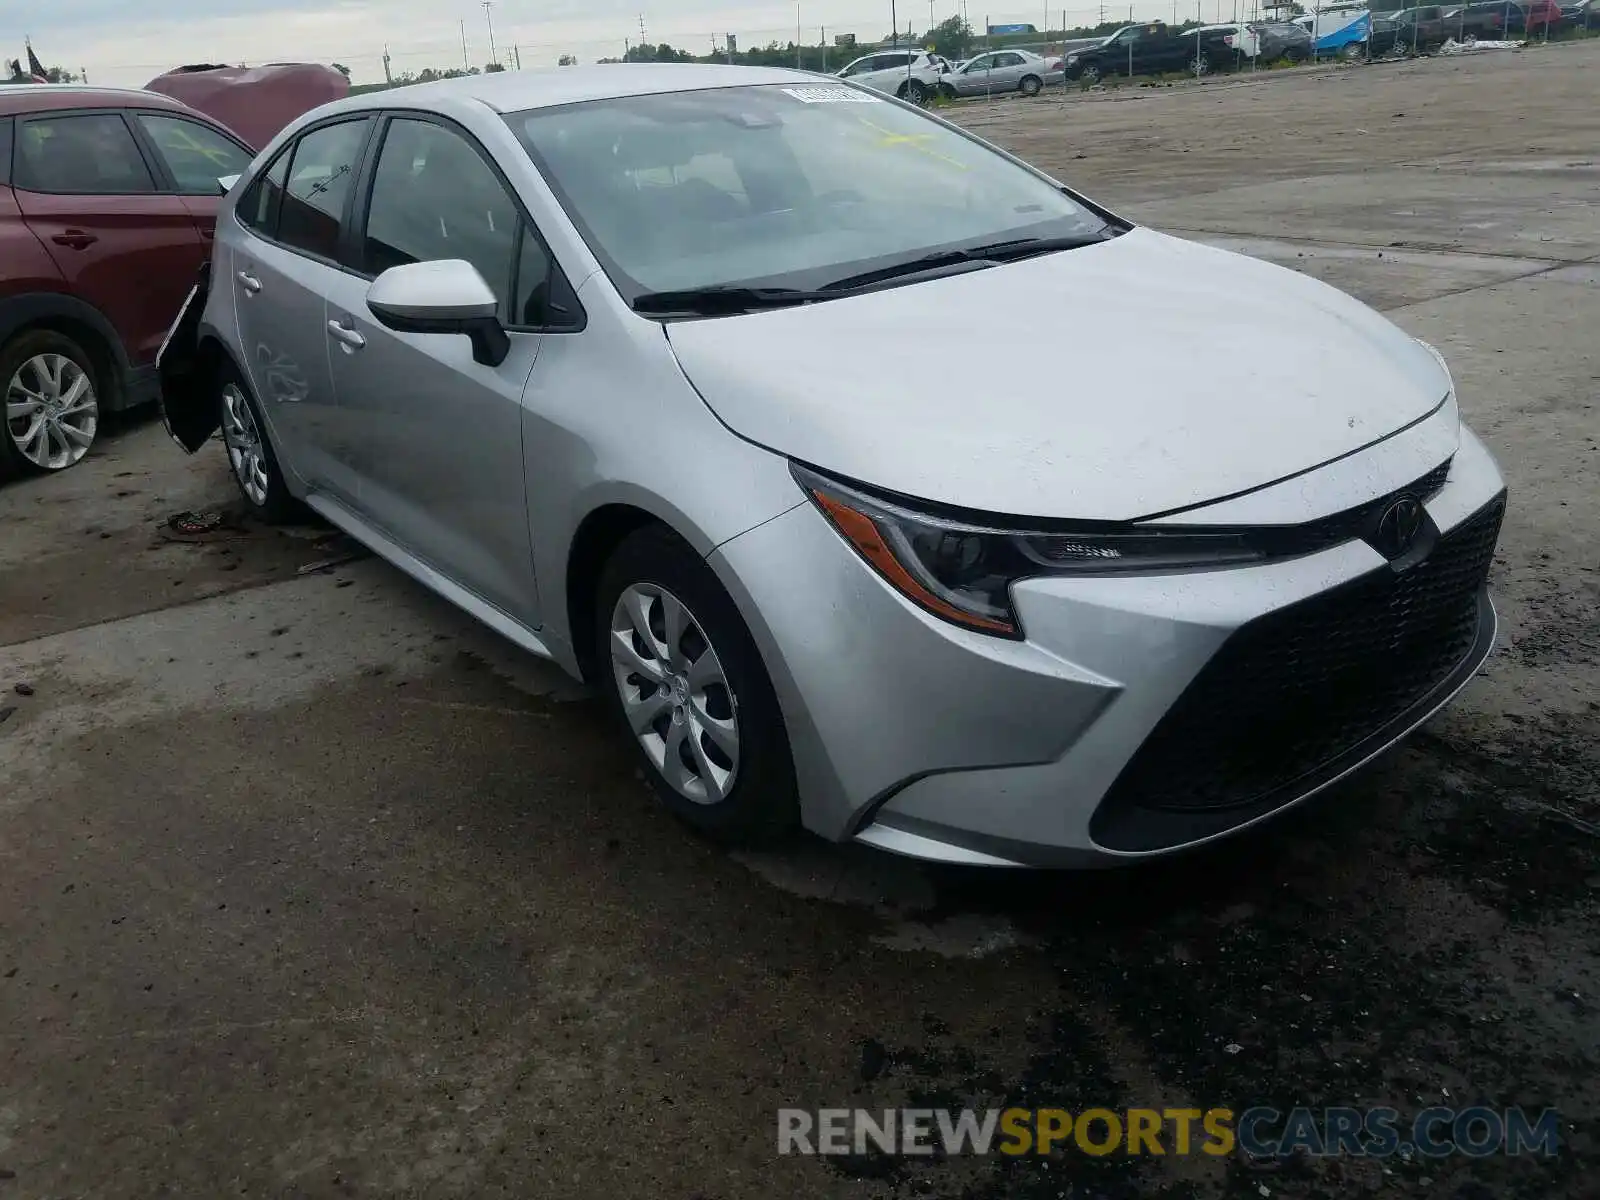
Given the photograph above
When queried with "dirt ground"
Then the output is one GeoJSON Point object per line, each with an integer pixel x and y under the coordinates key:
{"type": "Point", "coordinates": [310, 887]}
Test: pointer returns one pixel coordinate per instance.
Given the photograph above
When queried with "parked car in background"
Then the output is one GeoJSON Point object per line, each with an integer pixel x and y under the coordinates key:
{"type": "Point", "coordinates": [1533, 17]}
{"type": "Point", "coordinates": [1209, 48]}
{"type": "Point", "coordinates": [912, 75]}
{"type": "Point", "coordinates": [535, 345]}
{"type": "Point", "coordinates": [1281, 40]}
{"type": "Point", "coordinates": [1348, 33]}
{"type": "Point", "coordinates": [1002, 71]}
{"type": "Point", "coordinates": [1486, 20]}
{"type": "Point", "coordinates": [1415, 30]}
{"type": "Point", "coordinates": [108, 203]}
{"type": "Point", "coordinates": [255, 102]}
{"type": "Point", "coordinates": [1581, 14]}
{"type": "Point", "coordinates": [1150, 49]}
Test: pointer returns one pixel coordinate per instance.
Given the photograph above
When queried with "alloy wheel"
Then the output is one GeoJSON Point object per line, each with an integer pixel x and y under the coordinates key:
{"type": "Point", "coordinates": [243, 440]}
{"type": "Point", "coordinates": [51, 411]}
{"type": "Point", "coordinates": [674, 692]}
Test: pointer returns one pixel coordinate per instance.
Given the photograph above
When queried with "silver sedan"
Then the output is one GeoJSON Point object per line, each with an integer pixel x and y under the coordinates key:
{"type": "Point", "coordinates": [1002, 71]}
{"type": "Point", "coordinates": [616, 360]}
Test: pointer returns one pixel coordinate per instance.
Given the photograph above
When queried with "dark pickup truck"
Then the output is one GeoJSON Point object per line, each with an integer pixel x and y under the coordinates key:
{"type": "Point", "coordinates": [1149, 49]}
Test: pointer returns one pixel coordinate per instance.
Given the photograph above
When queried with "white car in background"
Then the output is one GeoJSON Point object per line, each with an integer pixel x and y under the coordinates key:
{"type": "Point", "coordinates": [912, 75]}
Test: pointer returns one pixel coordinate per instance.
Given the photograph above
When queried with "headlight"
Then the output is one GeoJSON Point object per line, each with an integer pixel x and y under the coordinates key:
{"type": "Point", "coordinates": [963, 572]}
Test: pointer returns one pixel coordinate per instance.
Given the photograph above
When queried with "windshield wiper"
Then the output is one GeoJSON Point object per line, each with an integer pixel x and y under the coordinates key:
{"type": "Point", "coordinates": [725, 298]}
{"type": "Point", "coordinates": [991, 252]}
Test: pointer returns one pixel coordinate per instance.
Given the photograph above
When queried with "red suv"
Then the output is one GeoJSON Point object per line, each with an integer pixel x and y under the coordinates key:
{"type": "Point", "coordinates": [108, 203]}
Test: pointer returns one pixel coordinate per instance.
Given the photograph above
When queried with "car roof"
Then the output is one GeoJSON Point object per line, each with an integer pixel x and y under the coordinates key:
{"type": "Point", "coordinates": [516, 91]}
{"type": "Point", "coordinates": [47, 97]}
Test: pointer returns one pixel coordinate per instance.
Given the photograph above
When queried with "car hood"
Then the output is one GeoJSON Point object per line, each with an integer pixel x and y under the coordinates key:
{"type": "Point", "coordinates": [1129, 378]}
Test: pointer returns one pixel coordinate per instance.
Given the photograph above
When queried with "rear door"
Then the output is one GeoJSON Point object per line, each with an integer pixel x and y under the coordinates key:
{"type": "Point", "coordinates": [87, 191]}
{"type": "Point", "coordinates": [285, 262]}
{"type": "Point", "coordinates": [1008, 67]}
{"type": "Point", "coordinates": [192, 157]}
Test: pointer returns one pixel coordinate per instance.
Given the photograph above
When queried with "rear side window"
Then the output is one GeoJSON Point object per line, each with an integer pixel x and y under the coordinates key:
{"type": "Point", "coordinates": [197, 155]}
{"type": "Point", "coordinates": [5, 150]}
{"type": "Point", "coordinates": [82, 155]}
{"type": "Point", "coordinates": [258, 208]}
{"type": "Point", "coordinates": [320, 174]}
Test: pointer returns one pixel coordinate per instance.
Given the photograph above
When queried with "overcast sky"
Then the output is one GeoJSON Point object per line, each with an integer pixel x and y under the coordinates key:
{"type": "Point", "coordinates": [128, 42]}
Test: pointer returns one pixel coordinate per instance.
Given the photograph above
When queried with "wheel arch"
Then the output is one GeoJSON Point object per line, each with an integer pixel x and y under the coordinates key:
{"type": "Point", "coordinates": [83, 323]}
{"type": "Point", "coordinates": [593, 542]}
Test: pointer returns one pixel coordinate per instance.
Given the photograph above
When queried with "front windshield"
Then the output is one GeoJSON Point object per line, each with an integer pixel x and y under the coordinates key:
{"type": "Point", "coordinates": [778, 186]}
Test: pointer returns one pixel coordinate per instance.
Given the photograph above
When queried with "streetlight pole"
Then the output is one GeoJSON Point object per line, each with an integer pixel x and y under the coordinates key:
{"type": "Point", "coordinates": [489, 17]}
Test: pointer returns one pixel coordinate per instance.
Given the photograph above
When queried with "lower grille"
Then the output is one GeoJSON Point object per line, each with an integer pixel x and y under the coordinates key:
{"type": "Point", "coordinates": [1288, 694]}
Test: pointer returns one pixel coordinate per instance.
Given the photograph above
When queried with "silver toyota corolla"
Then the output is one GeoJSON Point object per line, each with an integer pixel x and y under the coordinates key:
{"type": "Point", "coordinates": [632, 364]}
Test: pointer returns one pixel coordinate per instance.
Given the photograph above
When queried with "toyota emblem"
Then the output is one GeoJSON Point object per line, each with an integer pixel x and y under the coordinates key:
{"type": "Point", "coordinates": [1398, 526]}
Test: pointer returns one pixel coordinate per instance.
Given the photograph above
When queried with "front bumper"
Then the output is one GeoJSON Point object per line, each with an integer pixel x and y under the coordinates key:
{"type": "Point", "coordinates": [1107, 734]}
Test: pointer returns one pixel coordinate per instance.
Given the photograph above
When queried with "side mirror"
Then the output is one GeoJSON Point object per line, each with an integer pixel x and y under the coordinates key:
{"type": "Point", "coordinates": [447, 296]}
{"type": "Point", "coordinates": [226, 182]}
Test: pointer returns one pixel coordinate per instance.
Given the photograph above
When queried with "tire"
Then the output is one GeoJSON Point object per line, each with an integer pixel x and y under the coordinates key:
{"type": "Point", "coordinates": [1030, 85]}
{"type": "Point", "coordinates": [739, 789]}
{"type": "Point", "coordinates": [946, 92]}
{"type": "Point", "coordinates": [914, 93]}
{"type": "Point", "coordinates": [1200, 66]}
{"type": "Point", "coordinates": [251, 458]}
{"type": "Point", "coordinates": [52, 399]}
{"type": "Point", "coordinates": [1090, 74]}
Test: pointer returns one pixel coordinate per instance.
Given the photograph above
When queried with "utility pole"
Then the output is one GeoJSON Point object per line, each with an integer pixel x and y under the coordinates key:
{"type": "Point", "coordinates": [641, 29]}
{"type": "Point", "coordinates": [894, 24]}
{"type": "Point", "coordinates": [388, 75]}
{"type": "Point", "coordinates": [465, 65]}
{"type": "Point", "coordinates": [516, 54]}
{"type": "Point", "coordinates": [800, 34]}
{"type": "Point", "coordinates": [822, 32]}
{"type": "Point", "coordinates": [489, 18]}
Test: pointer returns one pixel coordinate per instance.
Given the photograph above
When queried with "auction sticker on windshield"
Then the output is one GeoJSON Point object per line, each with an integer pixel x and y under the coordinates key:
{"type": "Point", "coordinates": [832, 95]}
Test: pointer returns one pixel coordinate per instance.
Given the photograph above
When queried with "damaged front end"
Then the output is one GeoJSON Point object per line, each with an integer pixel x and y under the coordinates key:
{"type": "Point", "coordinates": [189, 406]}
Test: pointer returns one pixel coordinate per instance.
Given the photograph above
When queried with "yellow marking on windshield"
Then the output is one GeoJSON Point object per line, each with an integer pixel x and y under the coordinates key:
{"type": "Point", "coordinates": [914, 140]}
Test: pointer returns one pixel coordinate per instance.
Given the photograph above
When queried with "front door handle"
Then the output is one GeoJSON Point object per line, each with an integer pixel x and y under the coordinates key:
{"type": "Point", "coordinates": [250, 283]}
{"type": "Point", "coordinates": [76, 239]}
{"type": "Point", "coordinates": [346, 335]}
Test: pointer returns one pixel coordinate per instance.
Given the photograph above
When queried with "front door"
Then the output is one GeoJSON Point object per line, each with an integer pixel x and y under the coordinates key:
{"type": "Point", "coordinates": [280, 275]}
{"type": "Point", "coordinates": [87, 193]}
{"type": "Point", "coordinates": [435, 437]}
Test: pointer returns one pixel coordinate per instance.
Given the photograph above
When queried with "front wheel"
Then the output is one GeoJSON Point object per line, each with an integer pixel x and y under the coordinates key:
{"type": "Point", "coordinates": [1031, 85]}
{"type": "Point", "coordinates": [1090, 74]}
{"type": "Point", "coordinates": [686, 682]}
{"type": "Point", "coordinates": [914, 93]}
{"type": "Point", "coordinates": [52, 408]}
{"type": "Point", "coordinates": [1200, 66]}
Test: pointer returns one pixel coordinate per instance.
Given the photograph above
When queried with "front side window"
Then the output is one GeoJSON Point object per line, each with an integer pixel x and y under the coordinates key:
{"type": "Point", "coordinates": [197, 155]}
{"type": "Point", "coordinates": [980, 64]}
{"type": "Point", "coordinates": [87, 155]}
{"type": "Point", "coordinates": [793, 186]}
{"type": "Point", "coordinates": [320, 172]}
{"type": "Point", "coordinates": [434, 197]}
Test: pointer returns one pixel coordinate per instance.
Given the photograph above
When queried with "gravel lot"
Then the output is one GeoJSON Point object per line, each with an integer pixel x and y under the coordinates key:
{"type": "Point", "coordinates": [309, 887]}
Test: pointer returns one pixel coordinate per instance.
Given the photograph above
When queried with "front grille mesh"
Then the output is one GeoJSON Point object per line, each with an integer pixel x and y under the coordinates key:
{"type": "Point", "coordinates": [1289, 693]}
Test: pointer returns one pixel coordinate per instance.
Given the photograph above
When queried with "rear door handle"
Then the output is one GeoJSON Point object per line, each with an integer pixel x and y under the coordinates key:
{"type": "Point", "coordinates": [77, 239]}
{"type": "Point", "coordinates": [343, 333]}
{"type": "Point", "coordinates": [250, 283]}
